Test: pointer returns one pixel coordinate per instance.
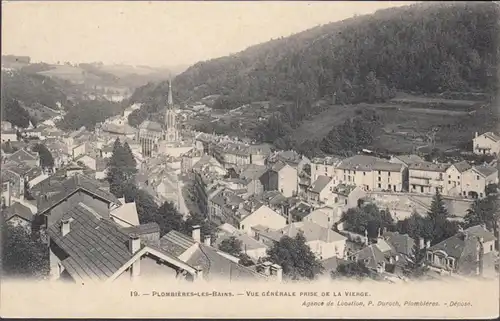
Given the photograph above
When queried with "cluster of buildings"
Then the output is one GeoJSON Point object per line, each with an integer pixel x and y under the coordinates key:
{"type": "Point", "coordinates": [251, 192]}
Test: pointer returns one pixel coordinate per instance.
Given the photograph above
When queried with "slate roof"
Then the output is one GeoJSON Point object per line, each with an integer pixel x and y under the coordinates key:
{"type": "Point", "coordinates": [462, 166]}
{"type": "Point", "coordinates": [402, 243]}
{"type": "Point", "coordinates": [410, 159]}
{"type": "Point", "coordinates": [23, 169]}
{"type": "Point", "coordinates": [205, 257]}
{"type": "Point", "coordinates": [247, 242]}
{"type": "Point", "coordinates": [494, 137]}
{"type": "Point", "coordinates": [428, 166]}
{"type": "Point", "coordinates": [328, 160]}
{"type": "Point", "coordinates": [301, 210]}
{"type": "Point", "coordinates": [19, 210]}
{"type": "Point", "coordinates": [320, 184]}
{"type": "Point", "coordinates": [453, 246]}
{"type": "Point", "coordinates": [479, 231]}
{"type": "Point", "coordinates": [96, 248]}
{"type": "Point", "coordinates": [22, 156]}
{"type": "Point", "coordinates": [253, 171]}
{"type": "Point", "coordinates": [142, 229]}
{"type": "Point", "coordinates": [312, 232]}
{"type": "Point", "coordinates": [279, 165]}
{"type": "Point", "coordinates": [371, 256]}
{"type": "Point", "coordinates": [267, 232]}
{"type": "Point", "coordinates": [73, 184]}
{"type": "Point", "coordinates": [485, 170]}
{"type": "Point", "coordinates": [369, 163]}
{"type": "Point", "coordinates": [151, 125]}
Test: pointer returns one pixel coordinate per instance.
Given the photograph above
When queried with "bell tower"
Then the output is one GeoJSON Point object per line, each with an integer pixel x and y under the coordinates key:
{"type": "Point", "coordinates": [171, 126]}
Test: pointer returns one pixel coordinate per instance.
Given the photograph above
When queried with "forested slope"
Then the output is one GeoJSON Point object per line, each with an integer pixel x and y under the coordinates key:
{"type": "Point", "coordinates": [419, 48]}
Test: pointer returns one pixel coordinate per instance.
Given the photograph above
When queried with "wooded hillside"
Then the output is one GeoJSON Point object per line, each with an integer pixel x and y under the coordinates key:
{"type": "Point", "coordinates": [418, 48]}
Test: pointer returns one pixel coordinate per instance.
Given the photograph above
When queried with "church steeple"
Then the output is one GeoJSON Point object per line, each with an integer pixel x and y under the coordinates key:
{"type": "Point", "coordinates": [170, 101]}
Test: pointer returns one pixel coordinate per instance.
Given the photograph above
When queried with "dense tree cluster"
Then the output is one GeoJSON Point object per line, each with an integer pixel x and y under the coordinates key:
{"type": "Point", "coordinates": [422, 47]}
{"type": "Point", "coordinates": [434, 227]}
{"type": "Point", "coordinates": [14, 113]}
{"type": "Point", "coordinates": [354, 269]}
{"type": "Point", "coordinates": [122, 168]}
{"type": "Point", "coordinates": [295, 257]}
{"type": "Point", "coordinates": [46, 159]}
{"type": "Point", "coordinates": [367, 218]}
{"type": "Point", "coordinates": [88, 113]}
{"type": "Point", "coordinates": [233, 246]}
{"type": "Point", "coordinates": [32, 88]}
{"type": "Point", "coordinates": [22, 257]}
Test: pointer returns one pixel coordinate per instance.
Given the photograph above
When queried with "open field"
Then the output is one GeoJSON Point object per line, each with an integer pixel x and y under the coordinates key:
{"type": "Point", "coordinates": [406, 127]}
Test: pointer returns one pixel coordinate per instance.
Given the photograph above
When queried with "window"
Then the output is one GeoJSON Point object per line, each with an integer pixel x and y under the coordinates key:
{"type": "Point", "coordinates": [364, 173]}
{"type": "Point", "coordinates": [429, 256]}
{"type": "Point", "coordinates": [388, 173]}
{"type": "Point", "coordinates": [491, 247]}
{"type": "Point", "coordinates": [458, 177]}
{"type": "Point", "coordinates": [480, 194]}
{"type": "Point", "coordinates": [413, 187]}
{"type": "Point", "coordinates": [344, 171]}
{"type": "Point", "coordinates": [389, 186]}
{"type": "Point", "coordinates": [326, 169]}
{"type": "Point", "coordinates": [379, 185]}
{"type": "Point", "coordinates": [449, 176]}
{"type": "Point", "coordinates": [440, 175]}
{"type": "Point", "coordinates": [458, 183]}
{"type": "Point", "coordinates": [379, 172]}
{"type": "Point", "coordinates": [317, 167]}
{"type": "Point", "coordinates": [477, 177]}
{"type": "Point", "coordinates": [354, 172]}
{"type": "Point", "coordinates": [449, 182]}
{"type": "Point", "coordinates": [344, 178]}
{"type": "Point", "coordinates": [349, 172]}
{"type": "Point", "coordinates": [379, 179]}
{"type": "Point", "coordinates": [345, 202]}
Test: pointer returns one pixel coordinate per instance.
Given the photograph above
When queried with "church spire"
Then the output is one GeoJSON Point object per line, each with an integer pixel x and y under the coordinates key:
{"type": "Point", "coordinates": [170, 101]}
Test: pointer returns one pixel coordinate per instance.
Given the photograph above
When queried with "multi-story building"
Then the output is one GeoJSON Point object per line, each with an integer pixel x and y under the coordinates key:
{"type": "Point", "coordinates": [283, 178]}
{"type": "Point", "coordinates": [427, 177]}
{"type": "Point", "coordinates": [487, 143]}
{"type": "Point", "coordinates": [324, 166]}
{"type": "Point", "coordinates": [370, 173]}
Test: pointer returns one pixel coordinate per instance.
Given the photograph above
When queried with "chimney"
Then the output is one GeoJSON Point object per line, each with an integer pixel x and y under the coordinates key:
{"type": "Point", "coordinates": [199, 273]}
{"type": "Point", "coordinates": [65, 227]}
{"type": "Point", "coordinates": [277, 272]}
{"type": "Point", "coordinates": [196, 233]}
{"type": "Point", "coordinates": [421, 243]}
{"type": "Point", "coordinates": [379, 233]}
{"type": "Point", "coordinates": [208, 240]}
{"type": "Point", "coordinates": [366, 237]}
{"type": "Point", "coordinates": [476, 134]}
{"type": "Point", "coordinates": [428, 244]}
{"type": "Point", "coordinates": [134, 243]}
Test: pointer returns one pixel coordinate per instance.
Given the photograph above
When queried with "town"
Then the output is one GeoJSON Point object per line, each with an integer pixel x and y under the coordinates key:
{"type": "Point", "coordinates": [137, 182]}
{"type": "Point", "coordinates": [224, 208]}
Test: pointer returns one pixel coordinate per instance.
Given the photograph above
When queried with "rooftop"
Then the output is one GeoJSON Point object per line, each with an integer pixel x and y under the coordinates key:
{"type": "Point", "coordinates": [151, 125]}
{"type": "Point", "coordinates": [312, 232]}
{"type": "Point", "coordinates": [96, 248]}
{"type": "Point", "coordinates": [428, 166]}
{"type": "Point", "coordinates": [18, 209]}
{"type": "Point", "coordinates": [320, 184]}
{"type": "Point", "coordinates": [71, 185]}
{"type": "Point", "coordinates": [369, 163]}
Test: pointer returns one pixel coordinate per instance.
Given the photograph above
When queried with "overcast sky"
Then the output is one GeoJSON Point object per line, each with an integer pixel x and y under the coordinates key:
{"type": "Point", "coordinates": [159, 33]}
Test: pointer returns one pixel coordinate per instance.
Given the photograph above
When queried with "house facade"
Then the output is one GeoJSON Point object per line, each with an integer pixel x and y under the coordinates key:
{"type": "Point", "coordinates": [486, 144]}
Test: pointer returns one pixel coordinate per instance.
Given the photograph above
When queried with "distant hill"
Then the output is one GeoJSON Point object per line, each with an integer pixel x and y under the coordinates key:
{"type": "Point", "coordinates": [423, 48]}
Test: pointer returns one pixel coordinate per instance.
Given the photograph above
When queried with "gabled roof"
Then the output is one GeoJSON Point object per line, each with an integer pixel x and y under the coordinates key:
{"type": "Point", "coordinates": [22, 155]}
{"type": "Point", "coordinates": [18, 209]}
{"type": "Point", "coordinates": [320, 184]}
{"type": "Point", "coordinates": [213, 264]}
{"type": "Point", "coordinates": [485, 170]}
{"type": "Point", "coordinates": [369, 163]}
{"type": "Point", "coordinates": [402, 243]}
{"type": "Point", "coordinates": [428, 166]}
{"type": "Point", "coordinates": [371, 256]}
{"type": "Point", "coordinates": [462, 166]}
{"type": "Point", "coordinates": [142, 229]}
{"type": "Point", "coordinates": [72, 185]}
{"type": "Point", "coordinates": [312, 232]}
{"type": "Point", "coordinates": [493, 136]}
{"type": "Point", "coordinates": [253, 172]}
{"type": "Point", "coordinates": [409, 159]}
{"type": "Point", "coordinates": [480, 231]}
{"type": "Point", "coordinates": [151, 125]}
{"type": "Point", "coordinates": [127, 213]}
{"type": "Point", "coordinates": [96, 248]}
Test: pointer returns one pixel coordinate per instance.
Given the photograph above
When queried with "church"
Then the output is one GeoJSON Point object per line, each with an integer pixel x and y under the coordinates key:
{"type": "Point", "coordinates": [156, 138]}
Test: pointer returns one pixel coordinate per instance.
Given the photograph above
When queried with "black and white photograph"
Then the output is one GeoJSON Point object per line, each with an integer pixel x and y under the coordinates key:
{"type": "Point", "coordinates": [250, 158]}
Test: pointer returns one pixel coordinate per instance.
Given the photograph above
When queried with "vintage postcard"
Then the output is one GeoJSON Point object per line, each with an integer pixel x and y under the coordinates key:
{"type": "Point", "coordinates": [250, 159]}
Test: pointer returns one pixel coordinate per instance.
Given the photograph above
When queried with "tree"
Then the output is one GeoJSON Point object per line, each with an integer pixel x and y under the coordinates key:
{"type": "Point", "coordinates": [483, 212]}
{"type": "Point", "coordinates": [231, 246]}
{"type": "Point", "coordinates": [367, 218]}
{"type": "Point", "coordinates": [168, 218]}
{"type": "Point", "coordinates": [437, 211]}
{"type": "Point", "coordinates": [295, 257]}
{"type": "Point", "coordinates": [46, 159]}
{"type": "Point", "coordinates": [415, 267]}
{"type": "Point", "coordinates": [22, 257]}
{"type": "Point", "coordinates": [437, 217]}
{"type": "Point", "coordinates": [121, 168]}
{"type": "Point", "coordinates": [356, 269]}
